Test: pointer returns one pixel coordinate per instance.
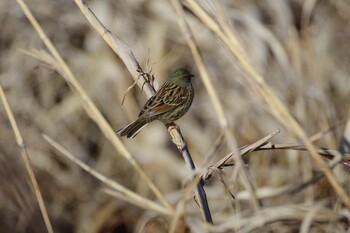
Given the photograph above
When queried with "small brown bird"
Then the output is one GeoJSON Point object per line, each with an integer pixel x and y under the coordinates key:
{"type": "Point", "coordinates": [171, 101]}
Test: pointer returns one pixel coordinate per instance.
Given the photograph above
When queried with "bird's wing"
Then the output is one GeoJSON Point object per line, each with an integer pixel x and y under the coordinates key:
{"type": "Point", "coordinates": [168, 97]}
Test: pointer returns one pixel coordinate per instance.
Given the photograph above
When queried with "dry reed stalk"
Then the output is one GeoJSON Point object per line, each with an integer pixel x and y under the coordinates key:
{"type": "Point", "coordinates": [26, 159]}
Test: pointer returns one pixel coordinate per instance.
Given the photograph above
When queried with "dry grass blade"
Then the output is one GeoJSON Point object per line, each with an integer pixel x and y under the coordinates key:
{"type": "Point", "coordinates": [327, 153]}
{"type": "Point", "coordinates": [228, 158]}
{"type": "Point", "coordinates": [219, 177]}
{"type": "Point", "coordinates": [267, 192]}
{"type": "Point", "coordinates": [256, 81]}
{"type": "Point", "coordinates": [26, 159]}
{"type": "Point", "coordinates": [262, 142]}
{"type": "Point", "coordinates": [89, 106]}
{"type": "Point", "coordinates": [276, 214]}
{"type": "Point", "coordinates": [211, 152]}
{"type": "Point", "coordinates": [181, 204]}
{"type": "Point", "coordinates": [128, 195]}
{"type": "Point", "coordinates": [307, 221]}
{"type": "Point", "coordinates": [323, 132]}
{"type": "Point", "coordinates": [46, 58]}
{"type": "Point", "coordinates": [199, 62]}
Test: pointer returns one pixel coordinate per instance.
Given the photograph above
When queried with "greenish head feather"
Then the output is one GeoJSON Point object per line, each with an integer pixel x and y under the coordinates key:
{"type": "Point", "coordinates": [181, 77]}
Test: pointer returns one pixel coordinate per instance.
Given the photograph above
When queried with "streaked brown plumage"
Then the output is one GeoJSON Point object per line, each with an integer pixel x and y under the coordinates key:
{"type": "Point", "coordinates": [171, 101]}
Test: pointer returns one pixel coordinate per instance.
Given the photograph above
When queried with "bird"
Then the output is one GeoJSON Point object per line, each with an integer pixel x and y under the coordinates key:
{"type": "Point", "coordinates": [168, 104]}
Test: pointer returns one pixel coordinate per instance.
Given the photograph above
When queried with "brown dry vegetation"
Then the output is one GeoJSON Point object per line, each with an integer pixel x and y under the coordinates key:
{"type": "Point", "coordinates": [301, 50]}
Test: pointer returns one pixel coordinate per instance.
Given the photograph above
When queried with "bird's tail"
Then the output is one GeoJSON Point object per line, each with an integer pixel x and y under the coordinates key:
{"type": "Point", "coordinates": [132, 129]}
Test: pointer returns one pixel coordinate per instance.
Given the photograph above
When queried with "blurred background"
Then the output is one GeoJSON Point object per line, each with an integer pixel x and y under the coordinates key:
{"type": "Point", "coordinates": [300, 47]}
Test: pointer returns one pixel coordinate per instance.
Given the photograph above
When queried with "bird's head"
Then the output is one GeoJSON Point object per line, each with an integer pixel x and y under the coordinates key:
{"type": "Point", "coordinates": [181, 77]}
